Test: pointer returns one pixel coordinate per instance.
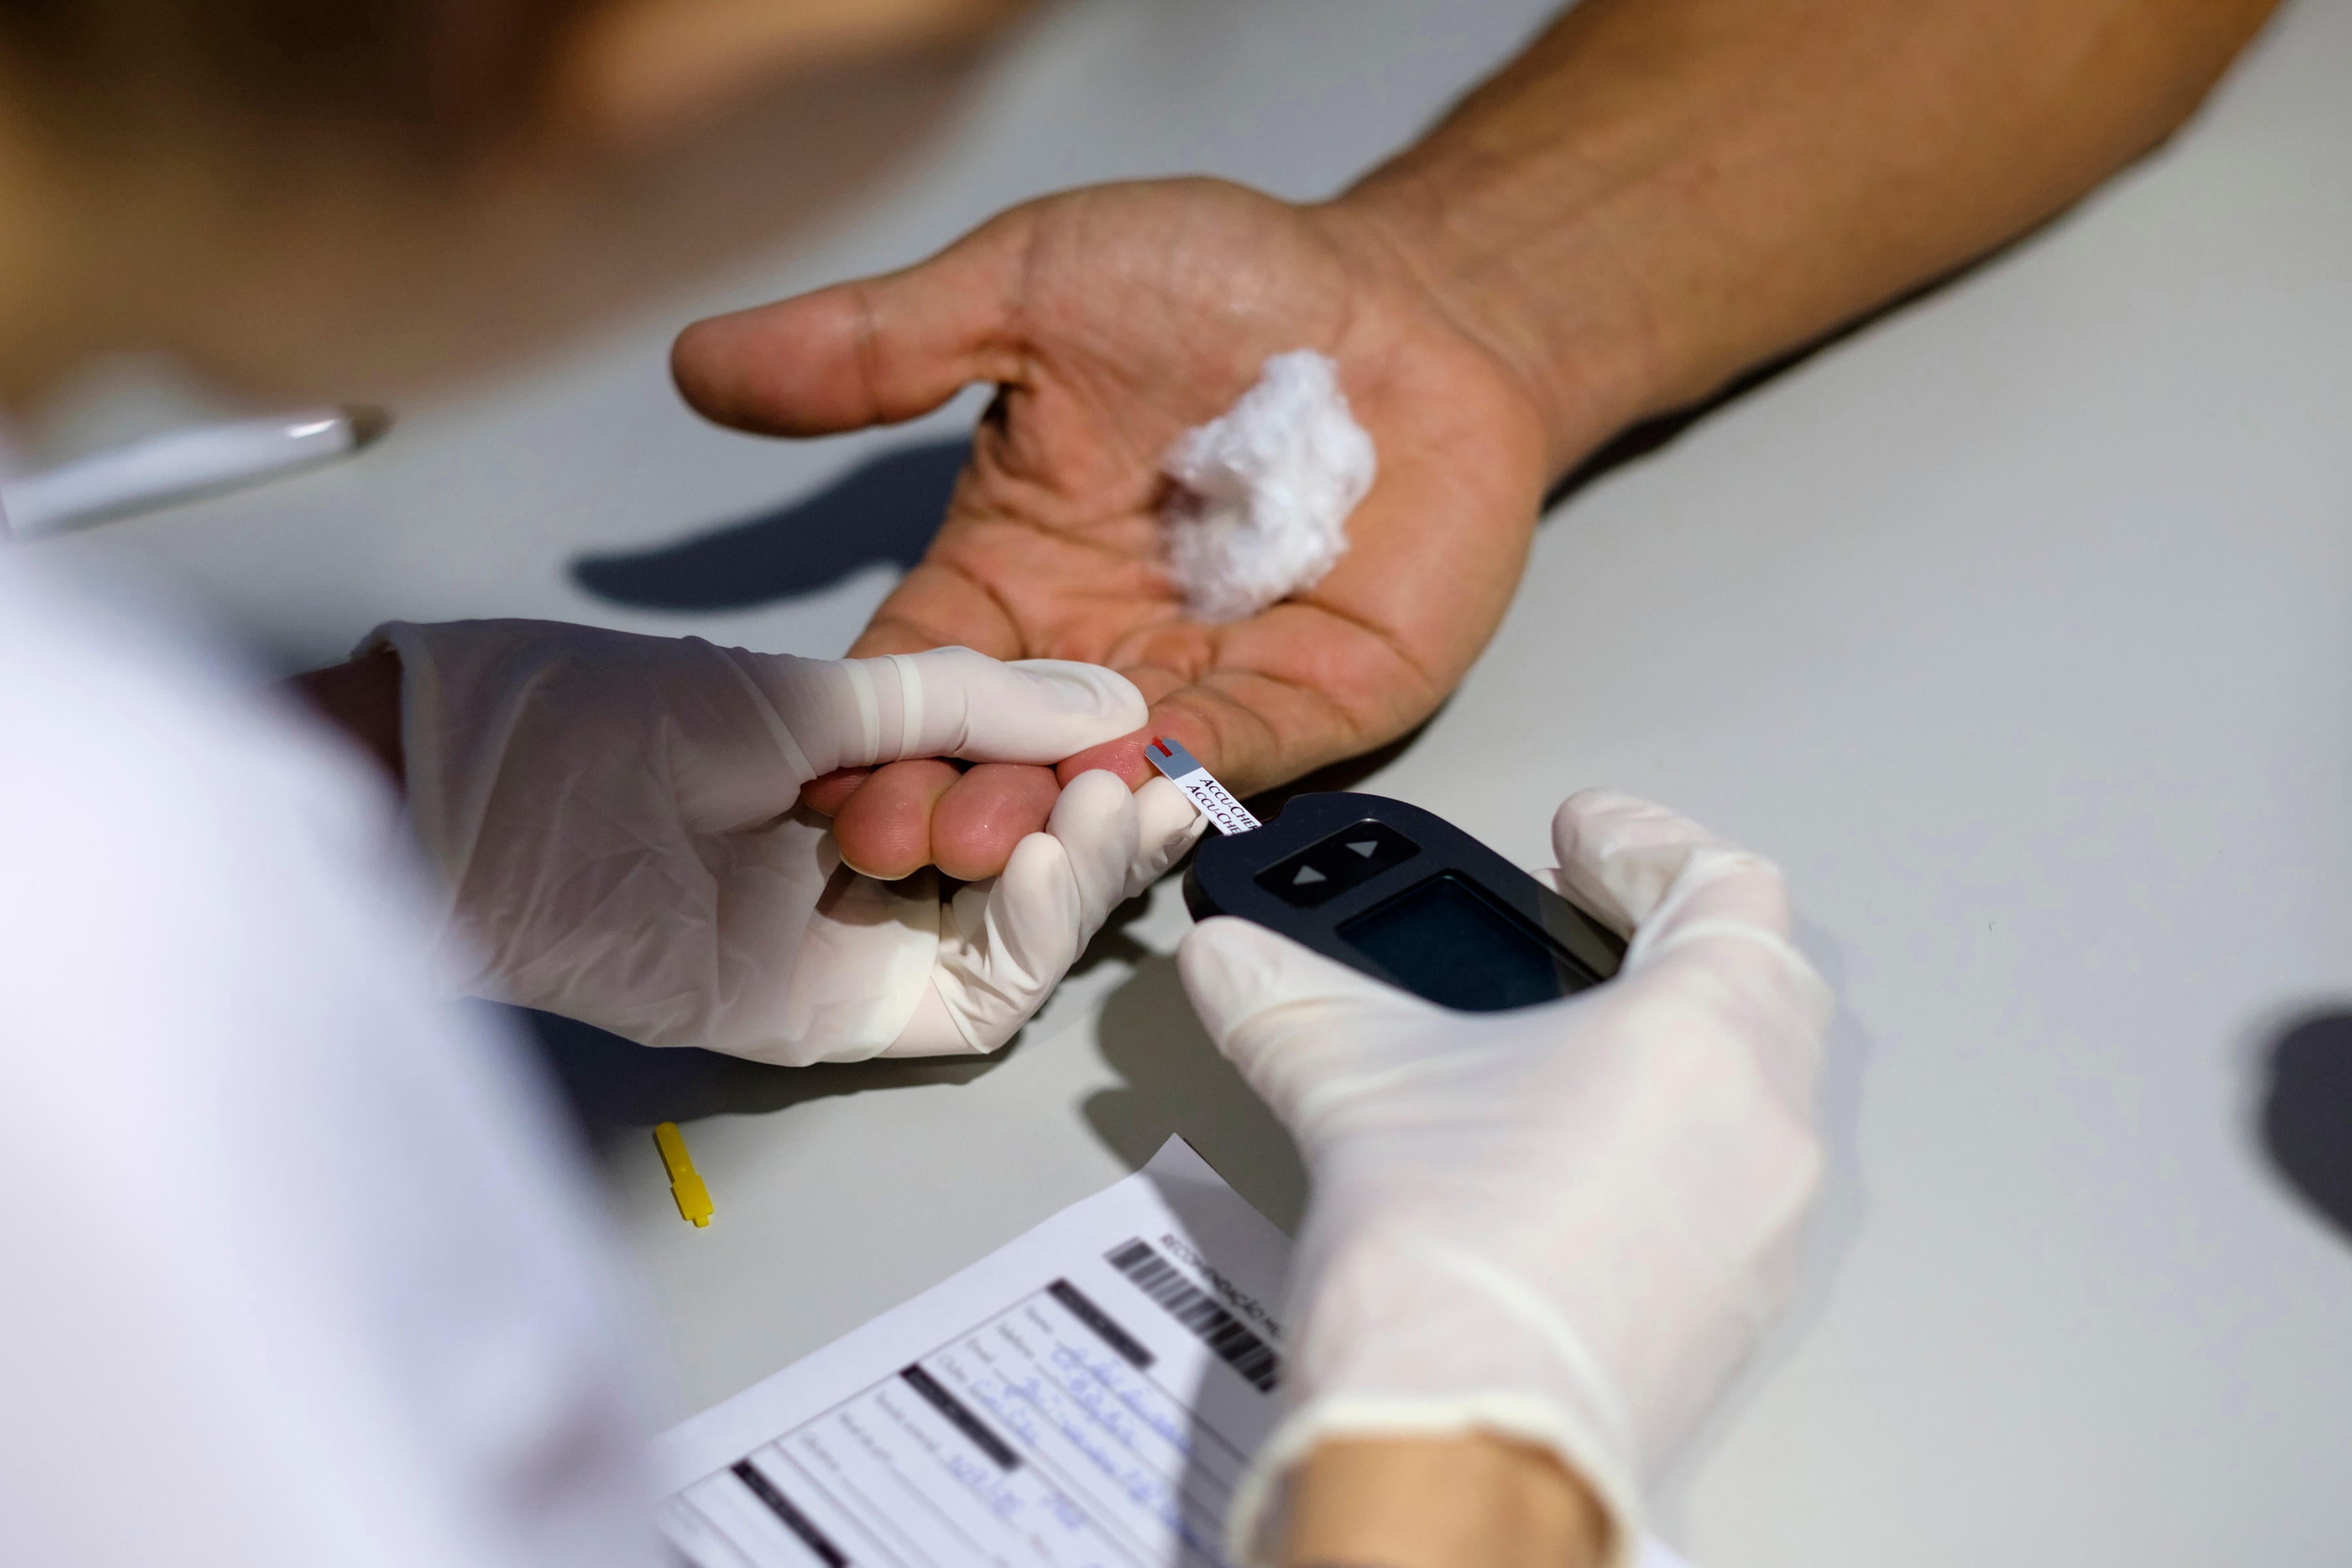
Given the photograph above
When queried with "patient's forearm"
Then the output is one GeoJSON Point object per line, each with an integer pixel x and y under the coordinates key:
{"type": "Point", "coordinates": [1660, 194]}
{"type": "Point", "coordinates": [1430, 1502]}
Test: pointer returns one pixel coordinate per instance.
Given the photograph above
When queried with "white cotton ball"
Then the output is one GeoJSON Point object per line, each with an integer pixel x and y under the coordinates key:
{"type": "Point", "coordinates": [1264, 491]}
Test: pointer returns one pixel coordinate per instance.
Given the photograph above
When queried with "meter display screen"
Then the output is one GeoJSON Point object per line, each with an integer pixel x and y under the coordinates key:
{"type": "Point", "coordinates": [1444, 941]}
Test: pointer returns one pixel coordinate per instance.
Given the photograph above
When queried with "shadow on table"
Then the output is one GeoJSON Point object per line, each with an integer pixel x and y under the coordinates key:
{"type": "Point", "coordinates": [884, 511]}
{"type": "Point", "coordinates": [614, 1088]}
{"type": "Point", "coordinates": [2306, 1116]}
{"type": "Point", "coordinates": [1174, 1079]}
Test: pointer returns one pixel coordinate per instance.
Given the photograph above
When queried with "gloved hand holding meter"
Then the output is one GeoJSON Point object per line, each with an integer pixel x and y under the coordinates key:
{"type": "Point", "coordinates": [1545, 1207]}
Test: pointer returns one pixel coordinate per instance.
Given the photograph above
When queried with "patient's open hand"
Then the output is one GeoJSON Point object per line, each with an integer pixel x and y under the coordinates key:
{"type": "Point", "coordinates": [1111, 320]}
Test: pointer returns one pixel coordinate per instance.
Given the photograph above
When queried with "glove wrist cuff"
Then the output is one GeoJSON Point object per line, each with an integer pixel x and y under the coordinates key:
{"type": "Point", "coordinates": [1257, 1521]}
{"type": "Point", "coordinates": [447, 845]}
{"type": "Point", "coordinates": [1407, 1336]}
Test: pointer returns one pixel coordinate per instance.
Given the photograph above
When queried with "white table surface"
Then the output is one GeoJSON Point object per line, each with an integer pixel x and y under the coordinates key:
{"type": "Point", "coordinates": [2014, 625]}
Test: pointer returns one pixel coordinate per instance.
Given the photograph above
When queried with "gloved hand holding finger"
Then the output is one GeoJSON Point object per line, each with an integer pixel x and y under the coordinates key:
{"type": "Point", "coordinates": [1564, 1224]}
{"type": "Point", "coordinates": [1006, 943]}
{"type": "Point", "coordinates": [614, 819]}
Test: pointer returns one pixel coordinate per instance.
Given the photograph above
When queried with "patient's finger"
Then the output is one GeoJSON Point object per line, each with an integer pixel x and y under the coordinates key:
{"type": "Point", "coordinates": [1123, 756]}
{"type": "Point", "coordinates": [826, 793]}
{"type": "Point", "coordinates": [873, 350]}
{"type": "Point", "coordinates": [969, 825]}
{"type": "Point", "coordinates": [985, 815]}
{"type": "Point", "coordinates": [884, 828]}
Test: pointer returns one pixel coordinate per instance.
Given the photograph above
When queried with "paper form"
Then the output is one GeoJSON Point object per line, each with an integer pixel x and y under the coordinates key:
{"type": "Point", "coordinates": [1083, 1397]}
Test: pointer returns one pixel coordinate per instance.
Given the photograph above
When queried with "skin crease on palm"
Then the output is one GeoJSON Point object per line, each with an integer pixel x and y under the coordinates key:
{"type": "Point", "coordinates": [1110, 321]}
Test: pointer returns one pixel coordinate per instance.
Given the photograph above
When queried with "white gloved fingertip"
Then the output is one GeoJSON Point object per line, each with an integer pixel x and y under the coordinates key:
{"type": "Point", "coordinates": [1087, 803]}
{"type": "Point", "coordinates": [1092, 691]}
{"type": "Point", "coordinates": [1235, 970]}
{"type": "Point", "coordinates": [961, 703]}
{"type": "Point", "coordinates": [1618, 853]}
{"type": "Point", "coordinates": [1093, 821]}
{"type": "Point", "coordinates": [1036, 919]}
{"type": "Point", "coordinates": [1167, 823]}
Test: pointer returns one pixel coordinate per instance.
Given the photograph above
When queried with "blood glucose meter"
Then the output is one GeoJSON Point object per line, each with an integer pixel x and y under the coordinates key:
{"type": "Point", "coordinates": [1392, 890]}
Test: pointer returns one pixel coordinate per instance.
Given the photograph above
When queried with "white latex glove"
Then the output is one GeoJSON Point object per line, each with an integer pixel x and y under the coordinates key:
{"type": "Point", "coordinates": [1565, 1224]}
{"type": "Point", "coordinates": [615, 818]}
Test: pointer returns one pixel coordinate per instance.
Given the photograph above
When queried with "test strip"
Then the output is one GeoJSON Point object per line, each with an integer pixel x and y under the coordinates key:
{"type": "Point", "coordinates": [685, 1181]}
{"type": "Point", "coordinates": [1183, 770]}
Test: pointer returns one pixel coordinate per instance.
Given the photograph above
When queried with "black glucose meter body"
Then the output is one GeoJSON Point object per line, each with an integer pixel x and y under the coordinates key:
{"type": "Point", "coordinates": [1397, 892]}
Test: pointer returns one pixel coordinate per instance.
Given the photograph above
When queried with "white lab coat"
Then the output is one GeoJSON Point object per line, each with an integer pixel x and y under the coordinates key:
{"type": "Point", "coordinates": [295, 1266]}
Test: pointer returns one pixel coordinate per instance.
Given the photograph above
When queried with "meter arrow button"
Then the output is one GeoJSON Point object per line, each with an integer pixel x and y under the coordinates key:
{"type": "Point", "coordinates": [1338, 866]}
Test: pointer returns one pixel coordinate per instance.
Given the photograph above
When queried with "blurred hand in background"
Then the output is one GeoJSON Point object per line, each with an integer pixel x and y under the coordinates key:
{"type": "Point", "coordinates": [380, 198]}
